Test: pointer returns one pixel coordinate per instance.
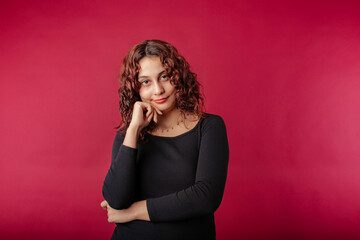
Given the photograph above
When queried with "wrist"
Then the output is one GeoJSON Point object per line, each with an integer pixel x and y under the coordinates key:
{"type": "Point", "coordinates": [139, 211]}
{"type": "Point", "coordinates": [131, 136]}
{"type": "Point", "coordinates": [134, 129]}
{"type": "Point", "coordinates": [133, 211]}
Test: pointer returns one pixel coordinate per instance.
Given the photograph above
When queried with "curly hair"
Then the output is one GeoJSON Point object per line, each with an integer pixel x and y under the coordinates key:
{"type": "Point", "coordinates": [189, 99]}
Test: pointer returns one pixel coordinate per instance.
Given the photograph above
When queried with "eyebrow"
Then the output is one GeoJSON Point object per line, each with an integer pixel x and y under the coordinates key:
{"type": "Point", "coordinates": [148, 76]}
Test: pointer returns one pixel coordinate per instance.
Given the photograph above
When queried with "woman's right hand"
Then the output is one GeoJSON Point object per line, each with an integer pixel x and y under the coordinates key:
{"type": "Point", "coordinates": [140, 119]}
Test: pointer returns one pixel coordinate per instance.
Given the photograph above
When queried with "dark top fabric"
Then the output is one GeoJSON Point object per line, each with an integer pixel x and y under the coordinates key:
{"type": "Point", "coordinates": [182, 178]}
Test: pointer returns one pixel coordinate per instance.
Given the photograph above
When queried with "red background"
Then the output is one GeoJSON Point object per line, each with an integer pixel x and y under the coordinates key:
{"type": "Point", "coordinates": [284, 75]}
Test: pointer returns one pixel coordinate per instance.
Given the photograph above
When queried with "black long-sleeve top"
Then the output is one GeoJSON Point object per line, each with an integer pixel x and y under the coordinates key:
{"type": "Point", "coordinates": [182, 179]}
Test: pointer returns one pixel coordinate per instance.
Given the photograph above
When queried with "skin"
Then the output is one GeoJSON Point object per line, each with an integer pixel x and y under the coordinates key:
{"type": "Point", "coordinates": [154, 85]}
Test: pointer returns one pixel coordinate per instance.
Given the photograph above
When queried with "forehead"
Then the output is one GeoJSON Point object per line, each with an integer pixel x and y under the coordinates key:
{"type": "Point", "coordinates": [150, 64]}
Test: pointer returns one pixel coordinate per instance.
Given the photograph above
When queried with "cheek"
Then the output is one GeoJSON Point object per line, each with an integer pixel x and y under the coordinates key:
{"type": "Point", "coordinates": [144, 94]}
{"type": "Point", "coordinates": [171, 89]}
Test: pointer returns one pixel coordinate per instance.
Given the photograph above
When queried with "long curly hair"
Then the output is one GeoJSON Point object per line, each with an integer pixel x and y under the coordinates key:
{"type": "Point", "coordinates": [189, 98]}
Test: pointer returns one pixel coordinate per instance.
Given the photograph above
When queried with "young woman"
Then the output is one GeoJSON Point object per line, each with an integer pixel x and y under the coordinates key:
{"type": "Point", "coordinates": [169, 158]}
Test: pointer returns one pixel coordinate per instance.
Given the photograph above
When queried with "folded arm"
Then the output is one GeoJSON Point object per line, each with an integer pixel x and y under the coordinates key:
{"type": "Point", "coordinates": [120, 181]}
{"type": "Point", "coordinates": [205, 195]}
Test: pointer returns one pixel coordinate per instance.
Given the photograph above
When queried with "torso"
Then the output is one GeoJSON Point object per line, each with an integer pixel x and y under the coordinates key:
{"type": "Point", "coordinates": [165, 166]}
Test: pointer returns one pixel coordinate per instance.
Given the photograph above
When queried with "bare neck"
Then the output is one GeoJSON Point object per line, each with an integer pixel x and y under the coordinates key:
{"type": "Point", "coordinates": [169, 119]}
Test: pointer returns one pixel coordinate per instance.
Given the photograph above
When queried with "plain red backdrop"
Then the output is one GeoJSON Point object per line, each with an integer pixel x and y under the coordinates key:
{"type": "Point", "coordinates": [284, 75]}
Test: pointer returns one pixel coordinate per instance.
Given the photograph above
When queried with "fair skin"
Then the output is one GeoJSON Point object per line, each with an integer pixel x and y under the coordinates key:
{"type": "Point", "coordinates": [155, 85]}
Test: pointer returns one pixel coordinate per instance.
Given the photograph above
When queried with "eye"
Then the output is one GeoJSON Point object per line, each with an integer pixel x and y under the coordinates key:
{"type": "Point", "coordinates": [164, 77]}
{"type": "Point", "coordinates": [145, 82]}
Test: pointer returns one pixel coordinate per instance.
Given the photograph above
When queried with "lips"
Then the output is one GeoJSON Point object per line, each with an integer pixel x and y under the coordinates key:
{"type": "Point", "coordinates": [160, 100]}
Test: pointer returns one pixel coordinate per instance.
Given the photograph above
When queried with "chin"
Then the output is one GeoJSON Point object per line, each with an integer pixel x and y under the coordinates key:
{"type": "Point", "coordinates": [168, 109]}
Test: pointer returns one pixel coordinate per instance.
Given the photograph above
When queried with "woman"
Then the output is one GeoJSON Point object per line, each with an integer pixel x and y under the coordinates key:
{"type": "Point", "coordinates": [169, 158]}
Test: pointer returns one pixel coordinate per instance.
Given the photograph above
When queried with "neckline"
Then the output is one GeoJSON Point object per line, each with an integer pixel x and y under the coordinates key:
{"type": "Point", "coordinates": [180, 135]}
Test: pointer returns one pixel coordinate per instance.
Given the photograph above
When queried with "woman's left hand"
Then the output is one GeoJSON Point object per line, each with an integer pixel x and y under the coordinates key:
{"type": "Point", "coordinates": [117, 216]}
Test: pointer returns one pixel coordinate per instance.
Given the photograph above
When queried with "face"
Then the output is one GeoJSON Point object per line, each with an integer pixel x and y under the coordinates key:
{"type": "Point", "coordinates": [156, 88]}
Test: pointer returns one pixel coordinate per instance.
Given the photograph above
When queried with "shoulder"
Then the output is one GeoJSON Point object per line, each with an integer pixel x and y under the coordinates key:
{"type": "Point", "coordinates": [211, 118]}
{"type": "Point", "coordinates": [211, 121]}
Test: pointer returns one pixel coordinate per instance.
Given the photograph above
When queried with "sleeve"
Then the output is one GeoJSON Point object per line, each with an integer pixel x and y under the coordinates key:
{"type": "Point", "coordinates": [120, 181]}
{"type": "Point", "coordinates": [205, 195]}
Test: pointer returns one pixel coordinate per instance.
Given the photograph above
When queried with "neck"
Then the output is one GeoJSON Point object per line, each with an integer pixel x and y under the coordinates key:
{"type": "Point", "coordinates": [169, 119]}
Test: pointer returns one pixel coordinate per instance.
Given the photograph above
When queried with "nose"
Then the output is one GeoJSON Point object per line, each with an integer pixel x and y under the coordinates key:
{"type": "Point", "coordinates": [159, 89]}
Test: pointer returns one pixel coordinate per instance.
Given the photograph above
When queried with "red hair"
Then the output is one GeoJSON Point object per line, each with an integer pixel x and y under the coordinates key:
{"type": "Point", "coordinates": [189, 99]}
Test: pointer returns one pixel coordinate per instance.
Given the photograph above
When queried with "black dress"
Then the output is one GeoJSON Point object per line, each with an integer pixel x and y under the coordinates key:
{"type": "Point", "coordinates": [182, 178]}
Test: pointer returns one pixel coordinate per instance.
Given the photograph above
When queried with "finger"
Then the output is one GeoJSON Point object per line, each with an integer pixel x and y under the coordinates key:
{"type": "Point", "coordinates": [150, 116]}
{"type": "Point", "coordinates": [104, 204]}
{"type": "Point", "coordinates": [155, 117]}
{"type": "Point", "coordinates": [157, 110]}
{"type": "Point", "coordinates": [149, 110]}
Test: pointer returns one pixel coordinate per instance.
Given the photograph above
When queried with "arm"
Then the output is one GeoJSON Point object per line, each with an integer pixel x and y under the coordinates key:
{"type": "Point", "coordinates": [120, 181]}
{"type": "Point", "coordinates": [137, 211]}
{"type": "Point", "coordinates": [205, 195]}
